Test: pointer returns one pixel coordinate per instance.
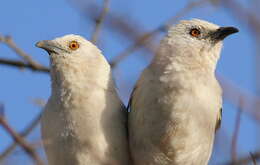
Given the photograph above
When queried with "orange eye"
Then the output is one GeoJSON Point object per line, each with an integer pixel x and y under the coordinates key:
{"type": "Point", "coordinates": [195, 32]}
{"type": "Point", "coordinates": [73, 45]}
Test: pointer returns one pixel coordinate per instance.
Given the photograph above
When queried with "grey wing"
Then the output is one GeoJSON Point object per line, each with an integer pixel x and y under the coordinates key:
{"type": "Point", "coordinates": [218, 123]}
{"type": "Point", "coordinates": [130, 100]}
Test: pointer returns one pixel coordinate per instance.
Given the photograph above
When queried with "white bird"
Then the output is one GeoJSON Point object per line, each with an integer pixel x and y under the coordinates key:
{"type": "Point", "coordinates": [84, 121]}
{"type": "Point", "coordinates": [176, 103]}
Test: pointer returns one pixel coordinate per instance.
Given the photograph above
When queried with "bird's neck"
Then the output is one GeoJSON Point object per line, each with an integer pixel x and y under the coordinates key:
{"type": "Point", "coordinates": [172, 58]}
{"type": "Point", "coordinates": [74, 78]}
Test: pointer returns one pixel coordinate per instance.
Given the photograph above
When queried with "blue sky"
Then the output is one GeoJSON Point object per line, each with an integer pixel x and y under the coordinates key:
{"type": "Point", "coordinates": [30, 21]}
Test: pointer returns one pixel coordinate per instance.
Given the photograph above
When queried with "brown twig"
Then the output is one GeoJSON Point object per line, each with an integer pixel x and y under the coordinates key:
{"type": "Point", "coordinates": [23, 134]}
{"type": "Point", "coordinates": [236, 132]}
{"type": "Point", "coordinates": [142, 41]}
{"type": "Point", "coordinates": [21, 64]}
{"type": "Point", "coordinates": [27, 58]}
{"type": "Point", "coordinates": [253, 158]}
{"type": "Point", "coordinates": [114, 21]}
{"type": "Point", "coordinates": [28, 61]}
{"type": "Point", "coordinates": [125, 28]}
{"type": "Point", "coordinates": [243, 15]}
{"type": "Point", "coordinates": [148, 36]}
{"type": "Point", "coordinates": [245, 160]}
{"type": "Point", "coordinates": [18, 139]}
{"type": "Point", "coordinates": [99, 21]}
{"type": "Point", "coordinates": [252, 21]}
{"type": "Point", "coordinates": [234, 94]}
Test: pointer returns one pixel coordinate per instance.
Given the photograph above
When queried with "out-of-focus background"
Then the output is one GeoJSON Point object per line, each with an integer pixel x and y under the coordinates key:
{"type": "Point", "coordinates": [127, 32]}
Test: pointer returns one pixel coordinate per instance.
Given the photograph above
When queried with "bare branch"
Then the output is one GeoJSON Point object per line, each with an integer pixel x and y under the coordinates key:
{"type": "Point", "coordinates": [253, 158]}
{"type": "Point", "coordinates": [251, 20]}
{"type": "Point", "coordinates": [114, 21]}
{"type": "Point", "coordinates": [99, 22]}
{"type": "Point", "coordinates": [148, 36]}
{"type": "Point", "coordinates": [241, 14]}
{"type": "Point", "coordinates": [27, 58]}
{"type": "Point", "coordinates": [233, 94]}
{"type": "Point", "coordinates": [20, 64]}
{"type": "Point", "coordinates": [23, 134]}
{"type": "Point", "coordinates": [236, 133]}
{"type": "Point", "coordinates": [126, 29]}
{"type": "Point", "coordinates": [18, 139]}
{"type": "Point", "coordinates": [245, 160]}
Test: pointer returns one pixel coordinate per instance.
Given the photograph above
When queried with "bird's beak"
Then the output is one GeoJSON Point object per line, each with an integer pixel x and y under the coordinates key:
{"type": "Point", "coordinates": [49, 46]}
{"type": "Point", "coordinates": [223, 32]}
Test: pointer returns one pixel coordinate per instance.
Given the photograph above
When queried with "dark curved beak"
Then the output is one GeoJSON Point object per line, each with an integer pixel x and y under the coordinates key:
{"type": "Point", "coordinates": [223, 32]}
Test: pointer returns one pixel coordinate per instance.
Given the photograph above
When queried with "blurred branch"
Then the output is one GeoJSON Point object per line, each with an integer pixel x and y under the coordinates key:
{"type": "Point", "coordinates": [23, 134]}
{"type": "Point", "coordinates": [27, 58]}
{"type": "Point", "coordinates": [245, 160]}
{"type": "Point", "coordinates": [253, 158]}
{"type": "Point", "coordinates": [99, 22]}
{"type": "Point", "coordinates": [28, 61]}
{"type": "Point", "coordinates": [131, 29]}
{"type": "Point", "coordinates": [39, 102]}
{"type": "Point", "coordinates": [236, 133]}
{"type": "Point", "coordinates": [20, 64]}
{"type": "Point", "coordinates": [233, 94]}
{"type": "Point", "coordinates": [241, 14]}
{"type": "Point", "coordinates": [114, 21]}
{"type": "Point", "coordinates": [18, 139]}
{"type": "Point", "coordinates": [144, 39]}
{"type": "Point", "coordinates": [252, 20]}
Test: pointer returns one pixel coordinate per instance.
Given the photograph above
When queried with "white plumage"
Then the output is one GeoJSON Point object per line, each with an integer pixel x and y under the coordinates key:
{"type": "Point", "coordinates": [176, 104]}
{"type": "Point", "coordinates": [84, 121]}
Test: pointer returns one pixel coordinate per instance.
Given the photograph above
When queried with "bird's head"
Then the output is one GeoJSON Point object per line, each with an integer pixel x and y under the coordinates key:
{"type": "Point", "coordinates": [70, 52]}
{"type": "Point", "coordinates": [195, 41]}
{"type": "Point", "coordinates": [73, 56]}
{"type": "Point", "coordinates": [68, 47]}
{"type": "Point", "coordinates": [199, 35]}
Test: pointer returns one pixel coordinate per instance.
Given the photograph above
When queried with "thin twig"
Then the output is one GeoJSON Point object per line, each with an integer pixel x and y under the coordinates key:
{"type": "Point", "coordinates": [131, 30]}
{"type": "Point", "coordinates": [23, 134]}
{"type": "Point", "coordinates": [18, 139]}
{"type": "Point", "coordinates": [253, 158]}
{"type": "Point", "coordinates": [21, 64]}
{"type": "Point", "coordinates": [27, 58]}
{"type": "Point", "coordinates": [143, 40]}
{"type": "Point", "coordinates": [252, 21]}
{"type": "Point", "coordinates": [114, 21]}
{"type": "Point", "coordinates": [243, 15]}
{"type": "Point", "coordinates": [245, 160]}
{"type": "Point", "coordinates": [234, 94]}
{"type": "Point", "coordinates": [236, 132]}
{"type": "Point", "coordinates": [99, 22]}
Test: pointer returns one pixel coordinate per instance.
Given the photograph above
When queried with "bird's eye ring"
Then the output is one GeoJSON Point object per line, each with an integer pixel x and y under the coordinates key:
{"type": "Point", "coordinates": [195, 32]}
{"type": "Point", "coordinates": [73, 45]}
